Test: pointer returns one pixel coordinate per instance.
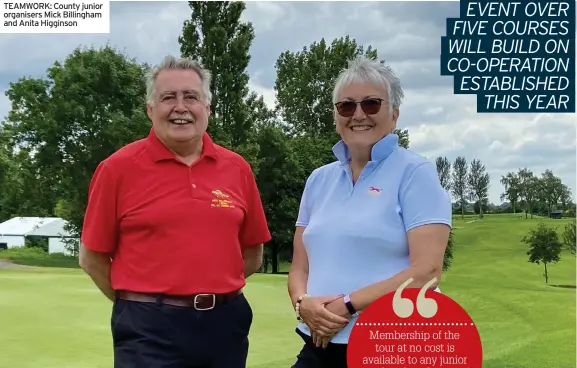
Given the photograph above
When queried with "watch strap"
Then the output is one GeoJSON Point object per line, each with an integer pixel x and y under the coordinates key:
{"type": "Point", "coordinates": [352, 311]}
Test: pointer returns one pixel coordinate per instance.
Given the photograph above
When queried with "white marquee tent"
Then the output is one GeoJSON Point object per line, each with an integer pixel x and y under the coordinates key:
{"type": "Point", "coordinates": [14, 232]}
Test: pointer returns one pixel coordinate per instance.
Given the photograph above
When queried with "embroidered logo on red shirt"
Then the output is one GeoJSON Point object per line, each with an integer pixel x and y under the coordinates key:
{"type": "Point", "coordinates": [221, 200]}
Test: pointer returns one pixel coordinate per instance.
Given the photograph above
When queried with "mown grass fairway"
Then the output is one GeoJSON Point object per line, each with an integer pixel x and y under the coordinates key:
{"type": "Point", "coordinates": [55, 318]}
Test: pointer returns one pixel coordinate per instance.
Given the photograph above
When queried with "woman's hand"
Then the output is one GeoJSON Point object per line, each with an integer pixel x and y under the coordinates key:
{"type": "Point", "coordinates": [321, 341]}
{"type": "Point", "coordinates": [339, 308]}
{"type": "Point", "coordinates": [336, 307]}
{"type": "Point", "coordinates": [318, 318]}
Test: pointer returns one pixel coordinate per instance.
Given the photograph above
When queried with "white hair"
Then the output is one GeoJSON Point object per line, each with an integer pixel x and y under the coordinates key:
{"type": "Point", "coordinates": [171, 62]}
{"type": "Point", "coordinates": [366, 70]}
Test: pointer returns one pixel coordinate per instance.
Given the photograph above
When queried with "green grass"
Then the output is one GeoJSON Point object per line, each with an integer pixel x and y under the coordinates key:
{"type": "Point", "coordinates": [55, 317]}
{"type": "Point", "coordinates": [522, 321]}
{"type": "Point", "coordinates": [39, 258]}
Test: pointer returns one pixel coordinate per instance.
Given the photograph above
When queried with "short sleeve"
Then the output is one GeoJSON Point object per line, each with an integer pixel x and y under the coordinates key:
{"type": "Point", "coordinates": [305, 206]}
{"type": "Point", "coordinates": [423, 199]}
{"type": "Point", "coordinates": [100, 229]}
{"type": "Point", "coordinates": [254, 229]}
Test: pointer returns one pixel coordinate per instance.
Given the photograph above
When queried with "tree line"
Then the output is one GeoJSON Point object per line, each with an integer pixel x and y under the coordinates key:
{"type": "Point", "coordinates": [523, 190]}
{"type": "Point", "coordinates": [537, 194]}
{"type": "Point", "coordinates": [463, 182]}
{"type": "Point", "coordinates": [61, 126]}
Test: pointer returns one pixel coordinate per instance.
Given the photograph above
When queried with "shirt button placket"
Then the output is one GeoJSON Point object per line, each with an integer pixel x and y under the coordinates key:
{"type": "Point", "coordinates": [191, 182]}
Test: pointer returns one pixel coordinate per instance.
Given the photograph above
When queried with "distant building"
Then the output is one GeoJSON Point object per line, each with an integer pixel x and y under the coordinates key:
{"type": "Point", "coordinates": [557, 214]}
{"type": "Point", "coordinates": [13, 233]}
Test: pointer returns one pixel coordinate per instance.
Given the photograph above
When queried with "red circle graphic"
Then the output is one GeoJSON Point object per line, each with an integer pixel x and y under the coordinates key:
{"type": "Point", "coordinates": [414, 328]}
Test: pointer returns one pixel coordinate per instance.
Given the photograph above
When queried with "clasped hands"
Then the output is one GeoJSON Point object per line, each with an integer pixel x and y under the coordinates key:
{"type": "Point", "coordinates": [325, 317]}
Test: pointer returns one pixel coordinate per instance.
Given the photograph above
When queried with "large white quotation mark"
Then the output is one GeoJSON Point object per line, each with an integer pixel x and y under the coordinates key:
{"type": "Point", "coordinates": [403, 307]}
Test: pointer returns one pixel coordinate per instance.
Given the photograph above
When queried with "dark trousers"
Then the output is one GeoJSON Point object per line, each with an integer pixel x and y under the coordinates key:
{"type": "Point", "coordinates": [333, 356]}
{"type": "Point", "coordinates": [155, 335]}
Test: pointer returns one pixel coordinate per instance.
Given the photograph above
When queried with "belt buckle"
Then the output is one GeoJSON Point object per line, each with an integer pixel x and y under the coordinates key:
{"type": "Point", "coordinates": [203, 295]}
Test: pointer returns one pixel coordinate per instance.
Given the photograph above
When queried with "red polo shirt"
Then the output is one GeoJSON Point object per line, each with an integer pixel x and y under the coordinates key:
{"type": "Point", "coordinates": [171, 228]}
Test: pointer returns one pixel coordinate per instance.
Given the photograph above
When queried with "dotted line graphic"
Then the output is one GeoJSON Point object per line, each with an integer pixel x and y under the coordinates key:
{"type": "Point", "coordinates": [413, 324]}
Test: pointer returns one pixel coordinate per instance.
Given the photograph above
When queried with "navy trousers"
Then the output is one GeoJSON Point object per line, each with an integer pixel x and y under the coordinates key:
{"type": "Point", "coordinates": [333, 356]}
{"type": "Point", "coordinates": [154, 335]}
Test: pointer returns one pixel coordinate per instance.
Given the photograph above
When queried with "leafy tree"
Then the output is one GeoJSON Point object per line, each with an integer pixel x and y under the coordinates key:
{"type": "Point", "coordinates": [512, 189]}
{"type": "Point", "coordinates": [215, 36]}
{"type": "Point", "coordinates": [459, 182]}
{"type": "Point", "coordinates": [10, 180]}
{"type": "Point", "coordinates": [448, 258]}
{"type": "Point", "coordinates": [403, 137]}
{"type": "Point", "coordinates": [569, 236]}
{"type": "Point", "coordinates": [444, 171]}
{"type": "Point", "coordinates": [565, 200]}
{"type": "Point", "coordinates": [478, 184]}
{"type": "Point", "coordinates": [540, 204]}
{"type": "Point", "coordinates": [259, 113]}
{"type": "Point", "coordinates": [26, 189]}
{"type": "Point", "coordinates": [571, 208]}
{"type": "Point", "coordinates": [544, 246]}
{"type": "Point", "coordinates": [553, 190]}
{"type": "Point", "coordinates": [280, 181]}
{"type": "Point", "coordinates": [478, 209]}
{"type": "Point", "coordinates": [529, 189]}
{"type": "Point", "coordinates": [85, 109]}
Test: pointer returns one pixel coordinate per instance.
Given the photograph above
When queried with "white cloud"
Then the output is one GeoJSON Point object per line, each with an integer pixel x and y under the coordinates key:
{"type": "Point", "coordinates": [432, 111]}
{"type": "Point", "coordinates": [267, 15]}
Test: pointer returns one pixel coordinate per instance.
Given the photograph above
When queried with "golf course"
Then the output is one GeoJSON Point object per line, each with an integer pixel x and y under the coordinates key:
{"type": "Point", "coordinates": [54, 317]}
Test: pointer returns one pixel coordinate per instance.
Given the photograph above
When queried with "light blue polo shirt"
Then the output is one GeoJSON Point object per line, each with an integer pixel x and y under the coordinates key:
{"type": "Point", "coordinates": [356, 234]}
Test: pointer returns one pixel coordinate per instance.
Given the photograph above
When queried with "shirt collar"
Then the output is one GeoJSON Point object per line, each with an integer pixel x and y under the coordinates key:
{"type": "Point", "coordinates": [160, 152]}
{"type": "Point", "coordinates": [381, 150]}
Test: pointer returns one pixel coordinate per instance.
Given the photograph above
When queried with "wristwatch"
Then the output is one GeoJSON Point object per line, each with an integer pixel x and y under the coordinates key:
{"type": "Point", "coordinates": [352, 311]}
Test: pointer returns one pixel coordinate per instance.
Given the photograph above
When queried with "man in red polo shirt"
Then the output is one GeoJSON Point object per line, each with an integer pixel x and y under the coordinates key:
{"type": "Point", "coordinates": [174, 226]}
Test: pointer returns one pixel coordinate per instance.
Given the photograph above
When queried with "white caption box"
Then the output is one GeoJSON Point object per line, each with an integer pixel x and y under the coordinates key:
{"type": "Point", "coordinates": [55, 16]}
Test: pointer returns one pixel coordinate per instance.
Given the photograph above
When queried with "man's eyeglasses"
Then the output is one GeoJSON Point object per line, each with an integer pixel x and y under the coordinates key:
{"type": "Point", "coordinates": [370, 106]}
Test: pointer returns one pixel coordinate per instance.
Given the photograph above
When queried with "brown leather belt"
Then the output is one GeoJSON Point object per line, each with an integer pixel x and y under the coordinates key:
{"type": "Point", "coordinates": [196, 301]}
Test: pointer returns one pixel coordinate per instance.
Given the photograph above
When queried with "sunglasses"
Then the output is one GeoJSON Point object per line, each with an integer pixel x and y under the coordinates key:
{"type": "Point", "coordinates": [370, 106]}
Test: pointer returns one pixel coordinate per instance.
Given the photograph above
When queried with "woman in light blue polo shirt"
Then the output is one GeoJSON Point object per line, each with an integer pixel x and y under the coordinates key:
{"type": "Point", "coordinates": [367, 222]}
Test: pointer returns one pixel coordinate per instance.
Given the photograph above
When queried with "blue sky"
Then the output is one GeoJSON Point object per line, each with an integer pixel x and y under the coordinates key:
{"type": "Point", "coordinates": [406, 34]}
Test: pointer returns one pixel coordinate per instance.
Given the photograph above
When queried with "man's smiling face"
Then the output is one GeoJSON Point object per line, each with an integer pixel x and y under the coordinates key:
{"type": "Point", "coordinates": [180, 112]}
